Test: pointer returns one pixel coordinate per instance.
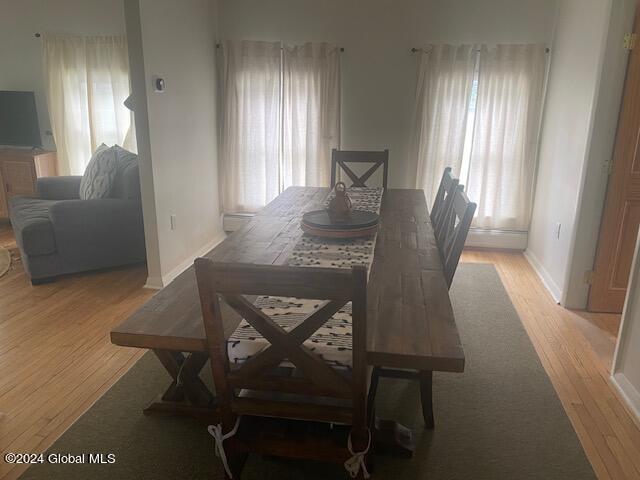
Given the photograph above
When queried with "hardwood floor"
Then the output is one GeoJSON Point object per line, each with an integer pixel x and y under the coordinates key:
{"type": "Point", "coordinates": [577, 365]}
{"type": "Point", "coordinates": [56, 358]}
{"type": "Point", "coordinates": [55, 355]}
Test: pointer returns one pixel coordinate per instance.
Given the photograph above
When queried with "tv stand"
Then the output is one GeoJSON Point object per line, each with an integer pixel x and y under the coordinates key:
{"type": "Point", "coordinates": [19, 170]}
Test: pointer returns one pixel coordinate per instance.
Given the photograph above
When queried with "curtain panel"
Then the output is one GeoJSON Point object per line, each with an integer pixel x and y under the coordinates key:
{"type": "Point", "coordinates": [483, 122]}
{"type": "Point", "coordinates": [443, 95]}
{"type": "Point", "coordinates": [250, 142]}
{"type": "Point", "coordinates": [311, 113]}
{"type": "Point", "coordinates": [505, 137]}
{"type": "Point", "coordinates": [280, 120]}
{"type": "Point", "coordinates": [87, 81]}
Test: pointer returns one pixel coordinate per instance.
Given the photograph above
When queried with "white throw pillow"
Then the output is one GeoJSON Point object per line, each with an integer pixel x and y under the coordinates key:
{"type": "Point", "coordinates": [98, 178]}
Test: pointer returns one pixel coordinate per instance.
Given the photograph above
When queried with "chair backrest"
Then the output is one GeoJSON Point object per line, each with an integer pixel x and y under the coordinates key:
{"type": "Point", "coordinates": [342, 157]}
{"type": "Point", "coordinates": [443, 201]}
{"type": "Point", "coordinates": [455, 228]}
{"type": "Point", "coordinates": [230, 283]}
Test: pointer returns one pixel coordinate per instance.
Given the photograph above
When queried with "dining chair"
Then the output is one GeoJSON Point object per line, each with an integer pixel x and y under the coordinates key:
{"type": "Point", "coordinates": [287, 384]}
{"type": "Point", "coordinates": [455, 224]}
{"type": "Point", "coordinates": [442, 201]}
{"type": "Point", "coordinates": [340, 158]}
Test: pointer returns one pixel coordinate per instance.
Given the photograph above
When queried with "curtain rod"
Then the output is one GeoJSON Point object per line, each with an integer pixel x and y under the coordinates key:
{"type": "Point", "coordinates": [218, 45]}
{"type": "Point", "coordinates": [414, 50]}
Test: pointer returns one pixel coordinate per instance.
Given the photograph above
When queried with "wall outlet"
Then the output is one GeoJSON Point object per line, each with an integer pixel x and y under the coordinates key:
{"type": "Point", "coordinates": [557, 230]}
{"type": "Point", "coordinates": [172, 221]}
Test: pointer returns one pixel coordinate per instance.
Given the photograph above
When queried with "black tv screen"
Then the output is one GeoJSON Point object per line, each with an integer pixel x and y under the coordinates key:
{"type": "Point", "coordinates": [19, 119]}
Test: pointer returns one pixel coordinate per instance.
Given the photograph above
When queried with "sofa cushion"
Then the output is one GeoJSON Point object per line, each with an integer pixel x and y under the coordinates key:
{"type": "Point", "coordinates": [127, 181]}
{"type": "Point", "coordinates": [31, 225]}
{"type": "Point", "coordinates": [99, 176]}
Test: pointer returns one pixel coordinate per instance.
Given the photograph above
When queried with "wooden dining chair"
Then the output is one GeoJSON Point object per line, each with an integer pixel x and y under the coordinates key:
{"type": "Point", "coordinates": [285, 385]}
{"type": "Point", "coordinates": [455, 226]}
{"type": "Point", "coordinates": [340, 158]}
{"type": "Point", "coordinates": [455, 223]}
{"type": "Point", "coordinates": [443, 200]}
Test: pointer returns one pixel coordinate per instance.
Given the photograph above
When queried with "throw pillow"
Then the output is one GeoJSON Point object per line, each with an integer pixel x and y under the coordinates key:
{"type": "Point", "coordinates": [127, 182]}
{"type": "Point", "coordinates": [98, 178]}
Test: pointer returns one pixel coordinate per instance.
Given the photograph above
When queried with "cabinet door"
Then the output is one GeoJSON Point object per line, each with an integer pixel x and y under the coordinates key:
{"type": "Point", "coordinates": [19, 177]}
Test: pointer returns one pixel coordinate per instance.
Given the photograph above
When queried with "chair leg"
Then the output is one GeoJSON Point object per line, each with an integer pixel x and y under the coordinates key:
{"type": "Point", "coordinates": [426, 387]}
{"type": "Point", "coordinates": [371, 399]}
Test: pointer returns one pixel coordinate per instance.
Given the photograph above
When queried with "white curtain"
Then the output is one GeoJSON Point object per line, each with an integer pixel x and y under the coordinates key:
{"type": "Point", "coordinates": [443, 94]}
{"type": "Point", "coordinates": [311, 114]}
{"type": "Point", "coordinates": [250, 174]}
{"type": "Point", "coordinates": [87, 80]}
{"type": "Point", "coordinates": [281, 118]}
{"type": "Point", "coordinates": [505, 137]}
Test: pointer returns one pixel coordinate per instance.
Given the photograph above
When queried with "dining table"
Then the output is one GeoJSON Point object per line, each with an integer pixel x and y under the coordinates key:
{"type": "Point", "coordinates": [410, 319]}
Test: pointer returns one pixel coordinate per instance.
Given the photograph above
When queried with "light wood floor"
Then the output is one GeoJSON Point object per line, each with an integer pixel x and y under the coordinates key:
{"type": "Point", "coordinates": [56, 358]}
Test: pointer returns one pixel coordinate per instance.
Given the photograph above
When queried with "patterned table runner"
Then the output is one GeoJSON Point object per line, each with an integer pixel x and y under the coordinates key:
{"type": "Point", "coordinates": [332, 341]}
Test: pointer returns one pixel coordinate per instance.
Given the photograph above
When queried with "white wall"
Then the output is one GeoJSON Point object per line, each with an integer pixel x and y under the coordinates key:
{"type": "Point", "coordinates": [378, 69]}
{"type": "Point", "coordinates": [20, 51]}
{"type": "Point", "coordinates": [600, 150]}
{"type": "Point", "coordinates": [626, 364]}
{"type": "Point", "coordinates": [176, 41]}
{"type": "Point", "coordinates": [574, 81]}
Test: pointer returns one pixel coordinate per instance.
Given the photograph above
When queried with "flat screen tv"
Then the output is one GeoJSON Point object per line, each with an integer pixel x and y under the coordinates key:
{"type": "Point", "coordinates": [19, 119]}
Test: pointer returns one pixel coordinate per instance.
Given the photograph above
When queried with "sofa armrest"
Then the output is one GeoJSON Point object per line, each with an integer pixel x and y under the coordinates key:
{"type": "Point", "coordinates": [58, 188]}
{"type": "Point", "coordinates": [107, 228]}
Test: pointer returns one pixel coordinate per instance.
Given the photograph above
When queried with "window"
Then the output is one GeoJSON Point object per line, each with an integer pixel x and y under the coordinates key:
{"type": "Point", "coordinates": [468, 135]}
{"type": "Point", "coordinates": [280, 120]}
{"type": "Point", "coordinates": [87, 83]}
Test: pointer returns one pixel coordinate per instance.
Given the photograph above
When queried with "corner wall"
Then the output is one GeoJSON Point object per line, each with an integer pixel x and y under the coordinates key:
{"type": "Point", "coordinates": [179, 129]}
{"type": "Point", "coordinates": [566, 139]}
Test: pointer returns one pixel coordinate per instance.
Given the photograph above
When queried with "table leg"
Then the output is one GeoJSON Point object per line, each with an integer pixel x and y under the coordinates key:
{"type": "Point", "coordinates": [426, 397]}
{"type": "Point", "coordinates": [187, 395]}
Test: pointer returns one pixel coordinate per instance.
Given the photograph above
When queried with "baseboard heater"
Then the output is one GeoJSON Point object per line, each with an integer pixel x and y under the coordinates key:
{"type": "Point", "coordinates": [503, 239]}
{"type": "Point", "coordinates": [234, 221]}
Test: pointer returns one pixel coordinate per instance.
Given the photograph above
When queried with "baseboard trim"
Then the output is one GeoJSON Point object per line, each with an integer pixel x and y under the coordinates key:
{"type": "Point", "coordinates": [628, 392]}
{"type": "Point", "coordinates": [153, 283]}
{"type": "Point", "coordinates": [497, 239]}
{"type": "Point", "coordinates": [544, 276]}
{"type": "Point", "coordinates": [156, 283]}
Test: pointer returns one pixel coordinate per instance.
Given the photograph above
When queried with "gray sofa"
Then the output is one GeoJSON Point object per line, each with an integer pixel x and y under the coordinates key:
{"type": "Point", "coordinates": [58, 233]}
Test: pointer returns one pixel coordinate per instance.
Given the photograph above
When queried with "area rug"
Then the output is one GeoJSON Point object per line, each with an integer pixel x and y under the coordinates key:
{"type": "Point", "coordinates": [500, 419]}
{"type": "Point", "coordinates": [5, 261]}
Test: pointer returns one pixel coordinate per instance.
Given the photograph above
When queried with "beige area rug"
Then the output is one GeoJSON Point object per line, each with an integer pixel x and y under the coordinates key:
{"type": "Point", "coordinates": [5, 261]}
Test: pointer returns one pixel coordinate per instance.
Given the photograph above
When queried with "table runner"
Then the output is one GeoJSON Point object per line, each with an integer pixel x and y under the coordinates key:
{"type": "Point", "coordinates": [332, 341]}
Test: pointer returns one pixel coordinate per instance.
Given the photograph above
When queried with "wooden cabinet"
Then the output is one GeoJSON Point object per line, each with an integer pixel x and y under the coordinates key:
{"type": "Point", "coordinates": [19, 170]}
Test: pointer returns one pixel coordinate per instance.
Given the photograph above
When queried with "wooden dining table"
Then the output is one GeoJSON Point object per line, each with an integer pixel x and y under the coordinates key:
{"type": "Point", "coordinates": [410, 320]}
